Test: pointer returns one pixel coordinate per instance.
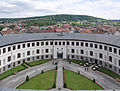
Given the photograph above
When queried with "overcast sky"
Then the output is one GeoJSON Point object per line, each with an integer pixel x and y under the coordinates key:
{"type": "Point", "coordinates": [108, 9]}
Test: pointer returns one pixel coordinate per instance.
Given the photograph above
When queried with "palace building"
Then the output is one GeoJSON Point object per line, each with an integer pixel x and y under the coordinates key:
{"type": "Point", "coordinates": [102, 49]}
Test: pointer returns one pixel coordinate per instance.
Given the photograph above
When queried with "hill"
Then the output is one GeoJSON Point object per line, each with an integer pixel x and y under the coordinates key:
{"type": "Point", "coordinates": [57, 18]}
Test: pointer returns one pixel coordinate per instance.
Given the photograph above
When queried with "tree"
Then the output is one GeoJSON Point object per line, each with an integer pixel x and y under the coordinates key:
{"type": "Point", "coordinates": [27, 78]}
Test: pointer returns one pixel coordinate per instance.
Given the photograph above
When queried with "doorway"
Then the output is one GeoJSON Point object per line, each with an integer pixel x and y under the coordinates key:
{"type": "Point", "coordinates": [59, 55]}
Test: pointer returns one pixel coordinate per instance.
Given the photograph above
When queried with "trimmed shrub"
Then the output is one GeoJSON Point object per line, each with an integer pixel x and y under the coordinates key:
{"type": "Point", "coordinates": [78, 72]}
{"type": "Point", "coordinates": [56, 67]}
{"type": "Point", "coordinates": [54, 85]}
{"type": "Point", "coordinates": [65, 85]}
{"type": "Point", "coordinates": [27, 78]}
{"type": "Point", "coordinates": [42, 72]}
{"type": "Point", "coordinates": [93, 80]}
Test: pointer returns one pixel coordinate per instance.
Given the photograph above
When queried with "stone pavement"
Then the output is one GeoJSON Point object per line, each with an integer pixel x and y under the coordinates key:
{"type": "Point", "coordinates": [59, 83]}
{"type": "Point", "coordinates": [105, 81]}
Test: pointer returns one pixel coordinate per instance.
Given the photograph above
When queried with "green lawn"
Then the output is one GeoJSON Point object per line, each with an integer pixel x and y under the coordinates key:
{"type": "Point", "coordinates": [11, 71]}
{"type": "Point", "coordinates": [34, 63]}
{"type": "Point", "coordinates": [79, 82]}
{"type": "Point", "coordinates": [109, 72]}
{"type": "Point", "coordinates": [40, 82]}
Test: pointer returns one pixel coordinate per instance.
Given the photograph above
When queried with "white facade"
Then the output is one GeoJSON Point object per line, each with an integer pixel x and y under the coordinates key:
{"type": "Point", "coordinates": [14, 54]}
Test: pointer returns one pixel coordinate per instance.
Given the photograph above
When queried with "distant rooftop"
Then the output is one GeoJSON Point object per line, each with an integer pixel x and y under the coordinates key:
{"type": "Point", "coordinates": [17, 38]}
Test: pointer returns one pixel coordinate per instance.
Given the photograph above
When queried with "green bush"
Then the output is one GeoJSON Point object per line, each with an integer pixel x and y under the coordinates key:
{"type": "Point", "coordinates": [78, 72]}
{"type": "Point", "coordinates": [42, 72]}
{"type": "Point", "coordinates": [27, 78]}
{"type": "Point", "coordinates": [54, 85]}
{"type": "Point", "coordinates": [93, 80]}
{"type": "Point", "coordinates": [56, 67]}
{"type": "Point", "coordinates": [65, 85]}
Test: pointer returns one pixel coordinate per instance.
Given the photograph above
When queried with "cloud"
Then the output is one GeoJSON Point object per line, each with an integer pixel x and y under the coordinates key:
{"type": "Point", "coordinates": [26, 8]}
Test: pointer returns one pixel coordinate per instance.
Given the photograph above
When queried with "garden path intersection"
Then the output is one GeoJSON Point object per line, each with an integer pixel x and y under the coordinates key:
{"type": "Point", "coordinates": [103, 80]}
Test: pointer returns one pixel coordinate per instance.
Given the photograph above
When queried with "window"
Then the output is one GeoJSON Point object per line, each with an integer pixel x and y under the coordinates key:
{"type": "Point", "coordinates": [28, 52]}
{"type": "Point", "coordinates": [37, 43]}
{"type": "Point", "coordinates": [110, 58]}
{"type": "Point", "coordinates": [100, 46]}
{"type": "Point", "coordinates": [119, 52]}
{"type": "Point", "coordinates": [72, 50]}
{"type": "Point", "coordinates": [51, 43]}
{"type": "Point", "coordinates": [46, 50]}
{"type": "Point", "coordinates": [63, 43]}
{"type": "Point", "coordinates": [105, 48]}
{"type": "Point", "coordinates": [18, 55]}
{"type": "Point", "coordinates": [42, 43]}
{"type": "Point", "coordinates": [0, 62]}
{"type": "Point", "coordinates": [28, 59]}
{"type": "Point", "coordinates": [82, 44]}
{"type": "Point", "coordinates": [9, 66]}
{"type": "Point", "coordinates": [28, 45]}
{"type": "Point", "coordinates": [119, 62]}
{"type": "Point", "coordinates": [110, 49]}
{"type": "Point", "coordinates": [59, 43]}
{"type": "Point", "coordinates": [77, 43]}
{"type": "Point", "coordinates": [82, 52]}
{"type": "Point", "coordinates": [86, 44]}
{"type": "Point", "coordinates": [4, 50]}
{"type": "Point", "coordinates": [96, 46]}
{"type": "Point", "coordinates": [18, 47]}
{"type": "Point", "coordinates": [37, 51]}
{"type": "Point", "coordinates": [72, 43]}
{"type": "Point", "coordinates": [100, 55]}
{"type": "Point", "coordinates": [110, 66]}
{"type": "Point", "coordinates": [14, 47]}
{"type": "Point", "coordinates": [37, 57]}
{"type": "Point", "coordinates": [55, 43]}
{"type": "Point", "coordinates": [23, 45]}
{"type": "Point", "coordinates": [72, 56]}
{"type": "Point", "coordinates": [91, 45]}
{"type": "Point", "coordinates": [115, 50]}
{"type": "Point", "coordinates": [33, 44]}
{"type": "Point", "coordinates": [68, 43]}
{"type": "Point", "coordinates": [9, 49]}
{"type": "Point", "coordinates": [47, 43]}
{"type": "Point", "coordinates": [18, 62]}
{"type": "Point", "coordinates": [46, 56]}
{"type": "Point", "coordinates": [91, 53]}
{"type": "Point", "coordinates": [9, 58]}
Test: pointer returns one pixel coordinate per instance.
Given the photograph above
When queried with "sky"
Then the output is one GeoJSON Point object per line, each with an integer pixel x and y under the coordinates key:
{"type": "Point", "coordinates": [107, 9]}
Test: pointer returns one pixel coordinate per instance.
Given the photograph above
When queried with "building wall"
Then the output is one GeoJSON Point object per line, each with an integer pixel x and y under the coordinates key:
{"type": "Point", "coordinates": [100, 53]}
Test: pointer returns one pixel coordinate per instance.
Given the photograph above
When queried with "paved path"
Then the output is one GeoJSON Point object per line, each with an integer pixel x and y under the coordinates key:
{"type": "Point", "coordinates": [15, 80]}
{"type": "Point", "coordinates": [59, 83]}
